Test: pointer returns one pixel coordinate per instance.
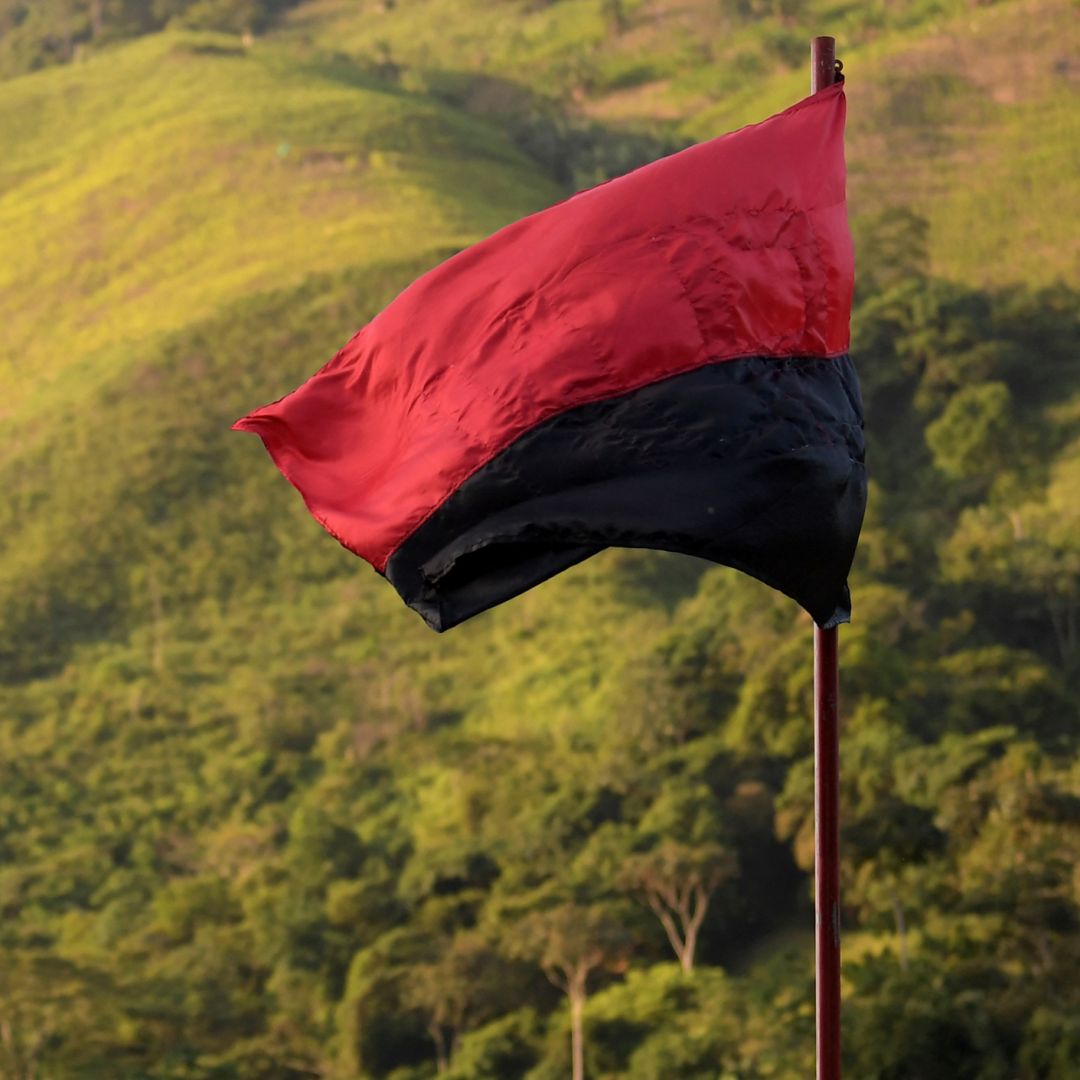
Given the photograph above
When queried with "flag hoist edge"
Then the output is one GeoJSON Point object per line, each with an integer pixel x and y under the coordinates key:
{"type": "Point", "coordinates": [661, 361]}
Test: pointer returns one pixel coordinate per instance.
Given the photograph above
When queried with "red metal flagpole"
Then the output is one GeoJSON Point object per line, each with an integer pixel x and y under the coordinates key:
{"type": "Point", "coordinates": [827, 850]}
{"type": "Point", "coordinates": [826, 767]}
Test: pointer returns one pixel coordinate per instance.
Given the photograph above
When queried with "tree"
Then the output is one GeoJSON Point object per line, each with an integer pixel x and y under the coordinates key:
{"type": "Point", "coordinates": [452, 991]}
{"type": "Point", "coordinates": [1025, 558]}
{"type": "Point", "coordinates": [572, 942]}
{"type": "Point", "coordinates": [885, 835]}
{"type": "Point", "coordinates": [615, 14]}
{"type": "Point", "coordinates": [973, 436]}
{"type": "Point", "coordinates": [682, 857]}
{"type": "Point", "coordinates": [53, 1015]}
{"type": "Point", "coordinates": [677, 881]}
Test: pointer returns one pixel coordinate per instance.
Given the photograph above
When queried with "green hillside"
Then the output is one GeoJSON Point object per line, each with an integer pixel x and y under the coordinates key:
{"type": "Point", "coordinates": [258, 823]}
{"type": "Point", "coordinates": [967, 113]}
{"type": "Point", "coordinates": [156, 182]}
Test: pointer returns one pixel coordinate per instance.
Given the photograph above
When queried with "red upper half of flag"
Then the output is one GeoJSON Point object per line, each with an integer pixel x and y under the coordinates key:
{"type": "Point", "coordinates": [735, 247]}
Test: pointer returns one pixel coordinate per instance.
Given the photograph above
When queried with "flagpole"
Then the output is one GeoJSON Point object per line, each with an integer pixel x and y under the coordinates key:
{"type": "Point", "coordinates": [826, 767]}
{"type": "Point", "coordinates": [827, 851]}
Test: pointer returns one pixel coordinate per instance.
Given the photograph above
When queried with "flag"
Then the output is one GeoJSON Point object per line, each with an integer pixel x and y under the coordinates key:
{"type": "Point", "coordinates": [660, 361]}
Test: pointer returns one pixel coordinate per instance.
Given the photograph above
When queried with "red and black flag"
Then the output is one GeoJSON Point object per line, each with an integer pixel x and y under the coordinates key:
{"type": "Point", "coordinates": [661, 361]}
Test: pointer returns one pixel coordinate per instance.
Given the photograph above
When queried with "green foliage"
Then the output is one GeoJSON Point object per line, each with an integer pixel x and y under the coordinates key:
{"type": "Point", "coordinates": [257, 822]}
{"type": "Point", "coordinates": [973, 434]}
{"type": "Point", "coordinates": [913, 1024]}
{"type": "Point", "coordinates": [506, 1047]}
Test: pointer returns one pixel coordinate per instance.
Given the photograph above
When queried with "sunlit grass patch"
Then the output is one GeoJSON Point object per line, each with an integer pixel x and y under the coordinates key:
{"type": "Point", "coordinates": [162, 179]}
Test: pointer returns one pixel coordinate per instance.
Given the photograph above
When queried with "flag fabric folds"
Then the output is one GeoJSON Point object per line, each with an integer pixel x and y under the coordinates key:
{"type": "Point", "coordinates": [661, 361]}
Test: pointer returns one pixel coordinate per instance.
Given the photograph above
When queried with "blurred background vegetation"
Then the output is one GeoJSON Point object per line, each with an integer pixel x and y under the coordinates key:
{"type": "Point", "coordinates": [257, 823]}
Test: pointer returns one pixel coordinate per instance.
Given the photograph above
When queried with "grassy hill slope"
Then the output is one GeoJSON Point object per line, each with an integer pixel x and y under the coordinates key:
{"type": "Point", "coordinates": [163, 179]}
{"type": "Point", "coordinates": [967, 113]}
{"type": "Point", "coordinates": [154, 181]}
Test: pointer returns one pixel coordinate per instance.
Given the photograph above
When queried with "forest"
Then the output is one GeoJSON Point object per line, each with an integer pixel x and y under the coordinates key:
{"type": "Point", "coordinates": [258, 823]}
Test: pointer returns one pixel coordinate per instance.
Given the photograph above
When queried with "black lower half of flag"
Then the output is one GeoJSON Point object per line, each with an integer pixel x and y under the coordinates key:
{"type": "Point", "coordinates": [755, 463]}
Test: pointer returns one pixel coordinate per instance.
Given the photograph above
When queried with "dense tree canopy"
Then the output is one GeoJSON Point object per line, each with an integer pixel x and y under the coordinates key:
{"type": "Point", "coordinates": [285, 833]}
